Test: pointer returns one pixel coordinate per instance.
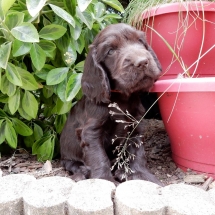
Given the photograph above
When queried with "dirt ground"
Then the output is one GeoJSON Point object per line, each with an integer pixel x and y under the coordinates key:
{"type": "Point", "coordinates": [158, 153]}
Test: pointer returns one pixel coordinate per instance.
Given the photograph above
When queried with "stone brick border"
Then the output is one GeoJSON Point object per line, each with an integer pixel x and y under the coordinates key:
{"type": "Point", "coordinates": [22, 194]}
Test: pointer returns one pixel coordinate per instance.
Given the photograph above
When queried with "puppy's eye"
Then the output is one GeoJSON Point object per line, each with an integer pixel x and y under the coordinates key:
{"type": "Point", "coordinates": [143, 43]}
{"type": "Point", "coordinates": [111, 51]}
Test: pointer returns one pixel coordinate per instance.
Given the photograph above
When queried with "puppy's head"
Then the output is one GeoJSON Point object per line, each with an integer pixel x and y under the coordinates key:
{"type": "Point", "coordinates": [119, 59]}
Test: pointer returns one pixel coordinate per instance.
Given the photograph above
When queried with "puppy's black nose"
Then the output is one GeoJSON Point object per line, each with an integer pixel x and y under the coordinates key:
{"type": "Point", "coordinates": [141, 63]}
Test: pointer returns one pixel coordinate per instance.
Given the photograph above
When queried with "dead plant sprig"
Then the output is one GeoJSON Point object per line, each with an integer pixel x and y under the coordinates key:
{"type": "Point", "coordinates": [124, 157]}
{"type": "Point", "coordinates": [121, 112]}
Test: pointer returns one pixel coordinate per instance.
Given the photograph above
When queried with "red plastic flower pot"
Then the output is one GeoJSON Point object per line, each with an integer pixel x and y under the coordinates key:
{"type": "Point", "coordinates": [189, 30]}
{"type": "Point", "coordinates": [188, 111]}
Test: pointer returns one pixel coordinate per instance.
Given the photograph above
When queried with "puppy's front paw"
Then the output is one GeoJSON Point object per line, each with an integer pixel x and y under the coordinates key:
{"type": "Point", "coordinates": [78, 177]}
{"type": "Point", "coordinates": [145, 176]}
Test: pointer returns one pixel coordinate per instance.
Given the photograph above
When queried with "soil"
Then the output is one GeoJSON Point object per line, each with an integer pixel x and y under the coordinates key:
{"type": "Point", "coordinates": [158, 154]}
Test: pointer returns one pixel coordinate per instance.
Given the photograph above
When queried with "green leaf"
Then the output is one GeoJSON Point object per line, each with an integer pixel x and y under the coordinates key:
{"type": "Point", "coordinates": [73, 86]}
{"type": "Point", "coordinates": [89, 36]}
{"type": "Point", "coordinates": [20, 48]}
{"type": "Point", "coordinates": [6, 4]}
{"type": "Point", "coordinates": [4, 84]}
{"type": "Point", "coordinates": [21, 128]}
{"type": "Point", "coordinates": [63, 42]}
{"type": "Point", "coordinates": [63, 14]}
{"type": "Point", "coordinates": [111, 16]}
{"type": "Point", "coordinates": [30, 104]}
{"type": "Point", "coordinates": [48, 91]}
{"type": "Point", "coordinates": [79, 95]}
{"type": "Point", "coordinates": [76, 32]}
{"type": "Point", "coordinates": [48, 47]}
{"type": "Point", "coordinates": [38, 56]}
{"type": "Point", "coordinates": [44, 71]}
{"type": "Point", "coordinates": [4, 54]}
{"type": "Point", "coordinates": [7, 87]}
{"type": "Point", "coordinates": [51, 54]}
{"type": "Point", "coordinates": [80, 43]}
{"type": "Point", "coordinates": [59, 123]}
{"type": "Point", "coordinates": [23, 113]}
{"type": "Point", "coordinates": [70, 6]}
{"type": "Point", "coordinates": [114, 4]}
{"type": "Point", "coordinates": [52, 32]}
{"type": "Point", "coordinates": [1, 12]}
{"type": "Point", "coordinates": [10, 135]}
{"type": "Point", "coordinates": [99, 9]}
{"type": "Point", "coordinates": [3, 98]}
{"type": "Point", "coordinates": [46, 21]}
{"type": "Point", "coordinates": [11, 89]}
{"type": "Point", "coordinates": [61, 90]}
{"type": "Point", "coordinates": [0, 78]}
{"type": "Point", "coordinates": [13, 19]}
{"type": "Point", "coordinates": [34, 7]}
{"type": "Point", "coordinates": [80, 66]}
{"type": "Point", "coordinates": [29, 140]}
{"type": "Point", "coordinates": [13, 75]}
{"type": "Point", "coordinates": [14, 102]}
{"type": "Point", "coordinates": [85, 17]}
{"type": "Point", "coordinates": [2, 130]}
{"type": "Point", "coordinates": [44, 148]}
{"type": "Point", "coordinates": [83, 4]}
{"type": "Point", "coordinates": [26, 32]}
{"type": "Point", "coordinates": [55, 76]}
{"type": "Point", "coordinates": [38, 132]}
{"type": "Point", "coordinates": [28, 80]}
{"type": "Point", "coordinates": [61, 107]}
{"type": "Point", "coordinates": [3, 114]}
{"type": "Point", "coordinates": [47, 111]}
{"type": "Point", "coordinates": [38, 143]}
{"type": "Point", "coordinates": [28, 17]}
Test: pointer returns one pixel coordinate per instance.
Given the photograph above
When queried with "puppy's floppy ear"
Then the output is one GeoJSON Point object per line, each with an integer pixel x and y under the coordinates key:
{"type": "Point", "coordinates": [95, 83]}
{"type": "Point", "coordinates": [155, 57]}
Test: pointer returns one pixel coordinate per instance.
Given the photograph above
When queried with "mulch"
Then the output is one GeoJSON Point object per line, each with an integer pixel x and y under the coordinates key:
{"type": "Point", "coordinates": [158, 152]}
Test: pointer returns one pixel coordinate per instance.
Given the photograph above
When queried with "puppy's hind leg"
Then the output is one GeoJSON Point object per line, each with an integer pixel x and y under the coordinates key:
{"type": "Point", "coordinates": [78, 169]}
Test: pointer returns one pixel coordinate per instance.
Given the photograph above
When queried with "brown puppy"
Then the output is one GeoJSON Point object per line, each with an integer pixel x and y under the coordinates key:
{"type": "Point", "coordinates": [120, 64]}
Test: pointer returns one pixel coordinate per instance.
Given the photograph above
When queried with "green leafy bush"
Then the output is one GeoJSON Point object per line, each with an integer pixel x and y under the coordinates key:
{"type": "Point", "coordinates": [43, 45]}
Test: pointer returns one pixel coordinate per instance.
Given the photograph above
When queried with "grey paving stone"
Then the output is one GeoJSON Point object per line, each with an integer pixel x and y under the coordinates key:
{"type": "Point", "coordinates": [142, 197]}
{"type": "Point", "coordinates": [92, 196]}
{"type": "Point", "coordinates": [11, 191]}
{"type": "Point", "coordinates": [183, 199]}
{"type": "Point", "coordinates": [138, 197]}
{"type": "Point", "coordinates": [47, 196]}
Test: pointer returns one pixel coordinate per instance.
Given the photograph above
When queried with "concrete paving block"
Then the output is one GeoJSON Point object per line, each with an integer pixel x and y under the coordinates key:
{"type": "Point", "coordinates": [92, 196]}
{"type": "Point", "coordinates": [47, 196]}
{"type": "Point", "coordinates": [11, 191]}
{"type": "Point", "coordinates": [183, 199]}
{"type": "Point", "coordinates": [138, 197]}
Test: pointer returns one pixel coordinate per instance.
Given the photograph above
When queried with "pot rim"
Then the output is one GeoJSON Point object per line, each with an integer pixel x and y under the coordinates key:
{"type": "Point", "coordinates": [203, 84]}
{"type": "Point", "coordinates": [176, 7]}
